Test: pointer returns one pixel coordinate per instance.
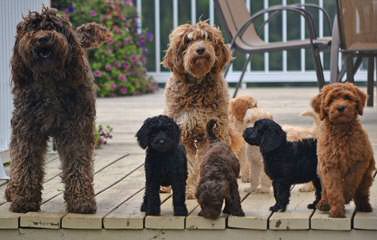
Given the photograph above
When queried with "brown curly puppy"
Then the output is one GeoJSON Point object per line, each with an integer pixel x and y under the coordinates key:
{"type": "Point", "coordinates": [218, 178]}
{"type": "Point", "coordinates": [345, 154]}
{"type": "Point", "coordinates": [54, 96]}
{"type": "Point", "coordinates": [237, 111]}
{"type": "Point", "coordinates": [197, 92]}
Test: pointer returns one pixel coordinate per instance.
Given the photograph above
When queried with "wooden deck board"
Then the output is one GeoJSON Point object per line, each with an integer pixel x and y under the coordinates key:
{"type": "Point", "coordinates": [297, 215]}
{"type": "Point", "coordinates": [119, 193]}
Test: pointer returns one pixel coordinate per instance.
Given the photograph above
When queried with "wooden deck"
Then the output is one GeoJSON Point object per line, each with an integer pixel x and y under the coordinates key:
{"type": "Point", "coordinates": [119, 187]}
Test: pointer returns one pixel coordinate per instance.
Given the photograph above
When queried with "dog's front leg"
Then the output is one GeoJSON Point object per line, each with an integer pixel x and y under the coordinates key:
{"type": "Point", "coordinates": [75, 146]}
{"type": "Point", "coordinates": [179, 188]}
{"type": "Point", "coordinates": [27, 154]}
{"type": "Point", "coordinates": [318, 189]}
{"type": "Point", "coordinates": [233, 202]}
{"type": "Point", "coordinates": [152, 195]}
{"type": "Point", "coordinates": [282, 194]}
{"type": "Point", "coordinates": [333, 184]}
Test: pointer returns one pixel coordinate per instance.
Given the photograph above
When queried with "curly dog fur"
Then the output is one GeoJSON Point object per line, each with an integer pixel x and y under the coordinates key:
{"type": "Point", "coordinates": [285, 162]}
{"type": "Point", "coordinates": [197, 92]}
{"type": "Point", "coordinates": [237, 110]}
{"type": "Point", "coordinates": [54, 96]}
{"type": "Point", "coordinates": [345, 153]}
{"type": "Point", "coordinates": [165, 164]}
{"type": "Point", "coordinates": [218, 178]}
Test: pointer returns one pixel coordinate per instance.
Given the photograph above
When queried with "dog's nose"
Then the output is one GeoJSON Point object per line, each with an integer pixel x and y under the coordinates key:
{"type": "Point", "coordinates": [341, 108]}
{"type": "Point", "coordinates": [43, 40]}
{"type": "Point", "coordinates": [200, 50]}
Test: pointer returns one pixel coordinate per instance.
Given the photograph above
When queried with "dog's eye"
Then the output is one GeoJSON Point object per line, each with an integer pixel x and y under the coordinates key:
{"type": "Point", "coordinates": [347, 97]}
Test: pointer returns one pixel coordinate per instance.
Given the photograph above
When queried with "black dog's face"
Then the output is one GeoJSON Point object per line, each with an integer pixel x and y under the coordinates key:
{"type": "Point", "coordinates": [160, 133]}
{"type": "Point", "coordinates": [266, 133]}
{"type": "Point", "coordinates": [44, 40]}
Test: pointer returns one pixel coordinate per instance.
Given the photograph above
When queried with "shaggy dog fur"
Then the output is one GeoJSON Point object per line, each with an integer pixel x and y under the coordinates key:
{"type": "Point", "coordinates": [218, 178]}
{"type": "Point", "coordinates": [237, 110]}
{"type": "Point", "coordinates": [54, 96]}
{"type": "Point", "coordinates": [285, 162]}
{"type": "Point", "coordinates": [197, 92]}
{"type": "Point", "coordinates": [165, 164]}
{"type": "Point", "coordinates": [345, 153]}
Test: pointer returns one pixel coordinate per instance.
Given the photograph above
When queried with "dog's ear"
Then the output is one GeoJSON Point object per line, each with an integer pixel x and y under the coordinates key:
{"type": "Point", "coordinates": [362, 97]}
{"type": "Point", "coordinates": [92, 35]}
{"type": "Point", "coordinates": [173, 56]}
{"type": "Point", "coordinates": [143, 134]}
{"type": "Point", "coordinates": [319, 102]}
{"type": "Point", "coordinates": [222, 50]}
{"type": "Point", "coordinates": [272, 139]}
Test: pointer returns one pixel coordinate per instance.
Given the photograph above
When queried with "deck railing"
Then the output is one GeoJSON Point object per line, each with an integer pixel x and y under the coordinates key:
{"type": "Point", "coordinates": [161, 16]}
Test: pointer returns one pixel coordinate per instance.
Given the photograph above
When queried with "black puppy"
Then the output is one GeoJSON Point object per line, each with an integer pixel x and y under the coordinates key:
{"type": "Point", "coordinates": [285, 162]}
{"type": "Point", "coordinates": [165, 164]}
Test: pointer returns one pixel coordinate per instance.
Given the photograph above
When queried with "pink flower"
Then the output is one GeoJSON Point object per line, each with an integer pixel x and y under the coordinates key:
{"type": "Point", "coordinates": [134, 58]}
{"type": "Point", "coordinates": [97, 73]}
{"type": "Point", "coordinates": [117, 29]}
{"type": "Point", "coordinates": [129, 2]}
{"type": "Point", "coordinates": [123, 90]}
{"type": "Point", "coordinates": [123, 78]}
{"type": "Point", "coordinates": [93, 13]}
{"type": "Point", "coordinates": [114, 86]}
{"type": "Point", "coordinates": [117, 64]}
{"type": "Point", "coordinates": [126, 66]}
{"type": "Point", "coordinates": [108, 67]}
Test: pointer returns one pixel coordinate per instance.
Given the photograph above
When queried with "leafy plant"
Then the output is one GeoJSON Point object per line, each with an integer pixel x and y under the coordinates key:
{"type": "Point", "coordinates": [118, 65]}
{"type": "Point", "coordinates": [103, 135]}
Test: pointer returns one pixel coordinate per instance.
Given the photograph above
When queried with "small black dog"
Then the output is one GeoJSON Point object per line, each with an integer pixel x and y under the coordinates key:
{"type": "Point", "coordinates": [165, 164]}
{"type": "Point", "coordinates": [285, 162]}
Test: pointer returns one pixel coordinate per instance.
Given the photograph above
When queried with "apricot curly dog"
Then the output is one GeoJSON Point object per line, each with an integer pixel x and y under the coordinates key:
{"type": "Point", "coordinates": [197, 92]}
{"type": "Point", "coordinates": [237, 111]}
{"type": "Point", "coordinates": [345, 154]}
{"type": "Point", "coordinates": [54, 96]}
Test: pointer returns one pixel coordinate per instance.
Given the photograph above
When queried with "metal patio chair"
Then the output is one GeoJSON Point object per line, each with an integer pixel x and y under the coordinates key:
{"type": "Point", "coordinates": [355, 35]}
{"type": "Point", "coordinates": [241, 27]}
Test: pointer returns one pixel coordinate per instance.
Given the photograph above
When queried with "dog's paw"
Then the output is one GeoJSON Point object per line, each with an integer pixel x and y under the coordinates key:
{"type": "Point", "coordinates": [238, 213]}
{"type": "Point", "coordinates": [152, 213]}
{"type": "Point", "coordinates": [181, 211]}
{"type": "Point", "coordinates": [365, 207]}
{"type": "Point", "coordinates": [9, 193]}
{"type": "Point", "coordinates": [190, 195]}
{"type": "Point", "coordinates": [85, 207]}
{"type": "Point", "coordinates": [245, 178]}
{"type": "Point", "coordinates": [278, 208]}
{"type": "Point", "coordinates": [24, 206]}
{"type": "Point", "coordinates": [323, 206]}
{"type": "Point", "coordinates": [337, 212]}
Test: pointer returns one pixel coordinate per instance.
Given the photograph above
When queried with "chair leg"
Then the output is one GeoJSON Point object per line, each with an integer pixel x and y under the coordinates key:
{"type": "Point", "coordinates": [334, 52]}
{"type": "Point", "coordinates": [318, 67]}
{"type": "Point", "coordinates": [349, 67]}
{"type": "Point", "coordinates": [370, 87]}
{"type": "Point", "coordinates": [242, 75]}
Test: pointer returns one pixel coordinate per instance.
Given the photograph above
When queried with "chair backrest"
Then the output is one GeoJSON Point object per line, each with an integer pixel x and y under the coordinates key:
{"type": "Point", "coordinates": [357, 19]}
{"type": "Point", "coordinates": [235, 14]}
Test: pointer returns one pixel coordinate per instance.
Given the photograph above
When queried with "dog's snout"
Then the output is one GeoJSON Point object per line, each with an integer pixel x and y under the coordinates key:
{"type": "Point", "coordinates": [44, 39]}
{"type": "Point", "coordinates": [341, 108]}
{"type": "Point", "coordinates": [200, 50]}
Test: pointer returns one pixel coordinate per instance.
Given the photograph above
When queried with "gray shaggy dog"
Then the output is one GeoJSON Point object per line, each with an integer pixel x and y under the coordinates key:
{"type": "Point", "coordinates": [54, 96]}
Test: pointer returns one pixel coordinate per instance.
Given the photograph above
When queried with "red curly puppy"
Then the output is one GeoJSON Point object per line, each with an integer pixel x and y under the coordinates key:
{"type": "Point", "coordinates": [345, 155]}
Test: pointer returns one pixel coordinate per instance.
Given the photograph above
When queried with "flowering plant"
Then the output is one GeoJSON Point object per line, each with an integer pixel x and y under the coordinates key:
{"type": "Point", "coordinates": [103, 135]}
{"type": "Point", "coordinates": [118, 65]}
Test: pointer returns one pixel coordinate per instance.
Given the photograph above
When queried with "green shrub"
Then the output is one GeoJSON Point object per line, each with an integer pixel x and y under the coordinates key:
{"type": "Point", "coordinates": [118, 65]}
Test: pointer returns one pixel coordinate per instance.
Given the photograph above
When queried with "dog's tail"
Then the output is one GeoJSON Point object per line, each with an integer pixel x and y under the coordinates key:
{"type": "Point", "coordinates": [312, 114]}
{"type": "Point", "coordinates": [212, 125]}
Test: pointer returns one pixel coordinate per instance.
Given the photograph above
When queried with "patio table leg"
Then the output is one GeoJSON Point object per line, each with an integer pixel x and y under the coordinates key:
{"type": "Point", "coordinates": [370, 87]}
